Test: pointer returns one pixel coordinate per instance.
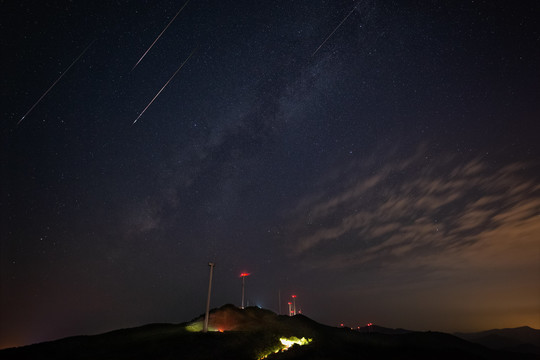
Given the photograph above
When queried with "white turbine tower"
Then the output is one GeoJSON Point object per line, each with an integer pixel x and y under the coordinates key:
{"type": "Point", "coordinates": [205, 327]}
{"type": "Point", "coordinates": [243, 276]}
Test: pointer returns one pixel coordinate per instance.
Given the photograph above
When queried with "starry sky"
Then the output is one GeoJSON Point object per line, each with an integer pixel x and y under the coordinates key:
{"type": "Point", "coordinates": [379, 159]}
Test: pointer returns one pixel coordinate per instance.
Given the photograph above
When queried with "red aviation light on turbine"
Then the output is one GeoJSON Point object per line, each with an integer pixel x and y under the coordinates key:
{"type": "Point", "coordinates": [294, 296]}
{"type": "Point", "coordinates": [244, 274]}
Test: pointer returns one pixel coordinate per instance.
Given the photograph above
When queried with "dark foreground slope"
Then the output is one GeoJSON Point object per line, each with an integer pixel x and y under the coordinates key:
{"type": "Point", "coordinates": [251, 334]}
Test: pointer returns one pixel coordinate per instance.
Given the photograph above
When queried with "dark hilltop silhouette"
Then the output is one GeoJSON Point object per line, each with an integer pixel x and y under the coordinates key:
{"type": "Point", "coordinates": [255, 333]}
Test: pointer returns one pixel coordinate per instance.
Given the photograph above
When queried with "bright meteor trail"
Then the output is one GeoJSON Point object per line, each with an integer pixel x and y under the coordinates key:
{"type": "Point", "coordinates": [57, 80]}
{"type": "Point", "coordinates": [167, 83]}
{"type": "Point", "coordinates": [166, 27]}
{"type": "Point", "coordinates": [332, 33]}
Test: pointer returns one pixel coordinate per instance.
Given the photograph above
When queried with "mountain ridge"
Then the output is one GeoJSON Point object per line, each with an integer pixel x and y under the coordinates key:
{"type": "Point", "coordinates": [254, 333]}
{"type": "Point", "coordinates": [523, 339]}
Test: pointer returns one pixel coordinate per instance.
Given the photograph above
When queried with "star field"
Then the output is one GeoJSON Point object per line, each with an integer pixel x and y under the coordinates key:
{"type": "Point", "coordinates": [379, 160]}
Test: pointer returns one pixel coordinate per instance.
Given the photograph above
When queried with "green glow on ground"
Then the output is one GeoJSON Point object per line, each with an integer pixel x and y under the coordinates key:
{"type": "Point", "coordinates": [286, 343]}
{"type": "Point", "coordinates": [196, 326]}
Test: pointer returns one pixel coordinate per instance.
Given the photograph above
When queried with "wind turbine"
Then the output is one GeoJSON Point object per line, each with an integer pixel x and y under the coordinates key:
{"type": "Point", "coordinates": [243, 276]}
{"type": "Point", "coordinates": [205, 327]}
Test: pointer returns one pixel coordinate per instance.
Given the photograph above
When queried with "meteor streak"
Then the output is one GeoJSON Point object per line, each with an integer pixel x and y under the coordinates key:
{"type": "Point", "coordinates": [167, 83]}
{"type": "Point", "coordinates": [54, 83]}
{"type": "Point", "coordinates": [337, 27]}
{"type": "Point", "coordinates": [179, 11]}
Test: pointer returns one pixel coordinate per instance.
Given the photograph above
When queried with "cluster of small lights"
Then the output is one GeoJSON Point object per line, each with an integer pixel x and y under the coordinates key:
{"type": "Point", "coordinates": [358, 327]}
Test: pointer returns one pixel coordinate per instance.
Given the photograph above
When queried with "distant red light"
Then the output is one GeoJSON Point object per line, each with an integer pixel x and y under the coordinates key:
{"type": "Point", "coordinates": [244, 274]}
{"type": "Point", "coordinates": [294, 296]}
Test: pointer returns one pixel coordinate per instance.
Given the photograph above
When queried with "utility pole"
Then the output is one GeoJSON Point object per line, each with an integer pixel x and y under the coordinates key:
{"type": "Point", "coordinates": [206, 315]}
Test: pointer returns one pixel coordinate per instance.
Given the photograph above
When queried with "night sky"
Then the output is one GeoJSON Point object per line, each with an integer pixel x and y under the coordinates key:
{"type": "Point", "coordinates": [379, 159]}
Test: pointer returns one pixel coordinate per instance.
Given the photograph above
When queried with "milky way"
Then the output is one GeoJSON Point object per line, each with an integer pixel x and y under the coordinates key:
{"type": "Point", "coordinates": [392, 177]}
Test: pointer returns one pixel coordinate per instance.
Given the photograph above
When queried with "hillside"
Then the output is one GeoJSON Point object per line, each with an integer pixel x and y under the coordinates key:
{"type": "Point", "coordinates": [253, 333]}
{"type": "Point", "coordinates": [522, 339]}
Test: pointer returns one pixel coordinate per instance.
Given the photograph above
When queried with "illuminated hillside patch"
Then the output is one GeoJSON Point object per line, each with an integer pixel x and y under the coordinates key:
{"type": "Point", "coordinates": [286, 343]}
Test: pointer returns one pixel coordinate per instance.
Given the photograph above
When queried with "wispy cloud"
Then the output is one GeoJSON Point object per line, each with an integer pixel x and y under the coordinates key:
{"type": "Point", "coordinates": [421, 212]}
